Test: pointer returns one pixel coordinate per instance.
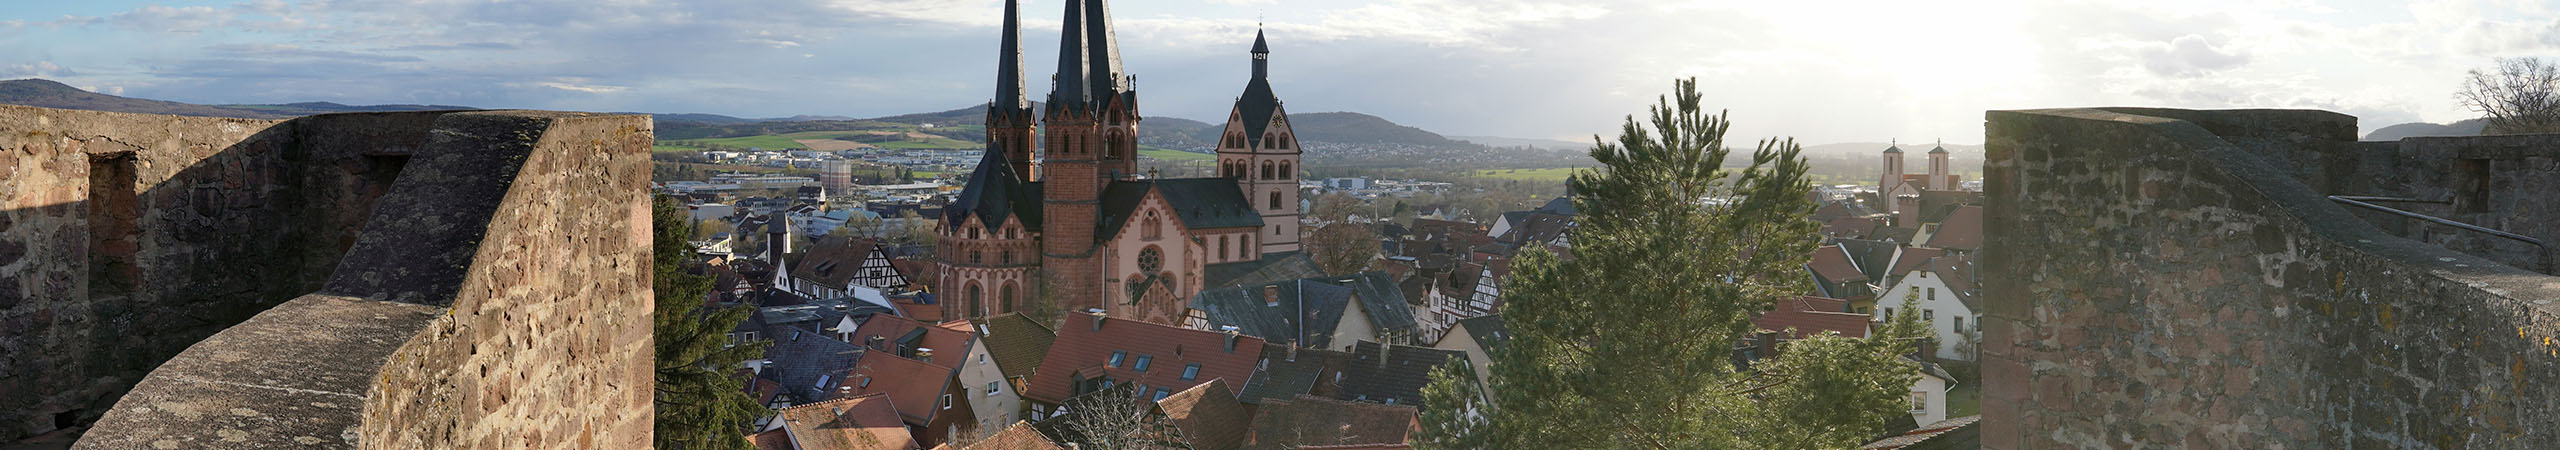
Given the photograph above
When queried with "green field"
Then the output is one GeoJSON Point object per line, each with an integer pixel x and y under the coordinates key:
{"type": "Point", "coordinates": [1173, 155]}
{"type": "Point", "coordinates": [1548, 174]}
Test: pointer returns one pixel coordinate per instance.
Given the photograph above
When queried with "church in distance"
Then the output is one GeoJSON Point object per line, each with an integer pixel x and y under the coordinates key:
{"type": "Point", "coordinates": [1057, 202]}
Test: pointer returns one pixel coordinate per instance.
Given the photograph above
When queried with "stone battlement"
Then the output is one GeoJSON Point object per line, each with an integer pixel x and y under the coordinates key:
{"type": "Point", "coordinates": [2171, 278]}
{"type": "Point", "coordinates": [373, 280]}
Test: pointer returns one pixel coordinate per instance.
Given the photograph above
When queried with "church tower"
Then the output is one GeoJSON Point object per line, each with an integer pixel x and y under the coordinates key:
{"type": "Point", "coordinates": [1261, 153]}
{"type": "Point", "coordinates": [1091, 139]}
{"type": "Point", "coordinates": [1938, 179]}
{"type": "Point", "coordinates": [1009, 120]}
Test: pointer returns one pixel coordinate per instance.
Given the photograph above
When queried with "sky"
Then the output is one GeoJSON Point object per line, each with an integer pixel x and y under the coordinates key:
{"type": "Point", "coordinates": [1820, 72]}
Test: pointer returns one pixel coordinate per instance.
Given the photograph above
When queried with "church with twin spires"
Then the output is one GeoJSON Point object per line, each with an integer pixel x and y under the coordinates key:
{"type": "Point", "coordinates": [1057, 201]}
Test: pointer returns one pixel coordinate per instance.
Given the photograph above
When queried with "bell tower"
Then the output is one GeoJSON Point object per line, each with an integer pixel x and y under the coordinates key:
{"type": "Point", "coordinates": [1091, 139]}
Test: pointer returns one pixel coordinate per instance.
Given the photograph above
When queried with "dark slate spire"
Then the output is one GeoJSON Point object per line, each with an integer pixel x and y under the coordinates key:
{"type": "Point", "coordinates": [1104, 65]}
{"type": "Point", "coordinates": [1261, 56]}
{"type": "Point", "coordinates": [1009, 97]}
{"type": "Point", "coordinates": [1072, 65]}
{"type": "Point", "coordinates": [1258, 103]}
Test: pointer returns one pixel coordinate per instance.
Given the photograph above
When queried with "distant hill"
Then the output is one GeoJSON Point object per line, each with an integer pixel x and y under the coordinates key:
{"type": "Point", "coordinates": [51, 94]}
{"type": "Point", "coordinates": [1549, 144]}
{"type": "Point", "coordinates": [1914, 151]}
{"type": "Point", "coordinates": [2418, 129]}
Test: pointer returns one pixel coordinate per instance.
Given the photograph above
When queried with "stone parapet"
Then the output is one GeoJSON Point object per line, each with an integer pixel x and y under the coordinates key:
{"type": "Point", "coordinates": [2166, 278]}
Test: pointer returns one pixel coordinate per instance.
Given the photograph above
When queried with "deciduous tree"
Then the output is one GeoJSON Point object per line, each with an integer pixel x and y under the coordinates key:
{"type": "Point", "coordinates": [2521, 96]}
{"type": "Point", "coordinates": [1628, 344]}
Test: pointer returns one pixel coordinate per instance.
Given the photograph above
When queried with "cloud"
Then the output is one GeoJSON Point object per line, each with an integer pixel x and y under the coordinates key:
{"type": "Point", "coordinates": [38, 69]}
{"type": "Point", "coordinates": [584, 88]}
{"type": "Point", "coordinates": [2189, 55]}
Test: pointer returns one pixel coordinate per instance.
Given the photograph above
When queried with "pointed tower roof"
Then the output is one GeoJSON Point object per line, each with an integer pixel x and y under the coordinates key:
{"type": "Point", "coordinates": [1941, 148]}
{"type": "Point", "coordinates": [995, 193]}
{"type": "Point", "coordinates": [1104, 69]}
{"type": "Point", "coordinates": [1258, 103]}
{"type": "Point", "coordinates": [1009, 94]}
{"type": "Point", "coordinates": [1072, 66]}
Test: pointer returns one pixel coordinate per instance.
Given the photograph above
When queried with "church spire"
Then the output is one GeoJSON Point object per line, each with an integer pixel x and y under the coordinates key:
{"type": "Point", "coordinates": [1261, 56]}
{"type": "Point", "coordinates": [1103, 42]}
{"type": "Point", "coordinates": [1072, 67]}
{"type": "Point", "coordinates": [1009, 97]}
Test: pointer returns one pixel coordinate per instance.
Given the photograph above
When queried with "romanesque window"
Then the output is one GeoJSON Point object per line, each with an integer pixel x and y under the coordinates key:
{"type": "Point", "coordinates": [1267, 170]}
{"type": "Point", "coordinates": [1284, 142]}
{"type": "Point", "coordinates": [1285, 172]}
{"type": "Point", "coordinates": [1275, 203]}
{"type": "Point", "coordinates": [1222, 246]}
{"type": "Point", "coordinates": [977, 256]}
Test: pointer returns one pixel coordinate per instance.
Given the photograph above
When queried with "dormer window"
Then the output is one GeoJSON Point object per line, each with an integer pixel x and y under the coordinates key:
{"type": "Point", "coordinates": [1116, 356]}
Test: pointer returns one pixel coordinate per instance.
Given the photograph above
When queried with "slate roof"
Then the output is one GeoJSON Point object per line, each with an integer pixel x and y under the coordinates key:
{"type": "Point", "coordinates": [994, 193]}
{"type": "Point", "coordinates": [1208, 415]}
{"type": "Point", "coordinates": [1271, 268]}
{"type": "Point", "coordinates": [1539, 228]}
{"type": "Point", "coordinates": [1258, 103]}
{"type": "Point", "coordinates": [1957, 433]}
{"type": "Point", "coordinates": [1391, 374]}
{"type": "Point", "coordinates": [916, 386]}
{"type": "Point", "coordinates": [1200, 203]}
{"type": "Point", "coordinates": [800, 358]}
{"type": "Point", "coordinates": [1309, 420]}
{"type": "Point", "coordinates": [1302, 311]}
{"type": "Point", "coordinates": [1382, 299]}
{"type": "Point", "coordinates": [1871, 257]}
{"type": "Point", "coordinates": [1019, 436]}
{"type": "Point", "coordinates": [854, 423]}
{"type": "Point", "coordinates": [1085, 344]}
{"type": "Point", "coordinates": [1559, 206]}
{"type": "Point", "coordinates": [1487, 330]}
{"type": "Point", "coordinates": [1283, 374]}
{"type": "Point", "coordinates": [1016, 342]}
{"type": "Point", "coordinates": [1810, 315]}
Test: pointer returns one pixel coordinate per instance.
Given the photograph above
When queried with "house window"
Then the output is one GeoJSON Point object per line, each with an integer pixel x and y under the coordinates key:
{"type": "Point", "coordinates": [1959, 323]}
{"type": "Point", "coordinates": [1919, 402]}
{"type": "Point", "coordinates": [1192, 372]}
{"type": "Point", "coordinates": [1116, 356]}
{"type": "Point", "coordinates": [1933, 294]}
{"type": "Point", "coordinates": [982, 359]}
{"type": "Point", "coordinates": [1929, 315]}
{"type": "Point", "coordinates": [946, 401]}
{"type": "Point", "coordinates": [1142, 362]}
{"type": "Point", "coordinates": [993, 387]}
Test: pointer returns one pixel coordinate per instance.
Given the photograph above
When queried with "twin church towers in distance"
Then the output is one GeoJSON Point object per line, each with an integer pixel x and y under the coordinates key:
{"type": "Point", "coordinates": [1080, 221]}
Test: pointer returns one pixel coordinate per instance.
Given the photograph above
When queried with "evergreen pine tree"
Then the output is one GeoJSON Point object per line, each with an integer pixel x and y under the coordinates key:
{"type": "Point", "coordinates": [1629, 344]}
{"type": "Point", "coordinates": [701, 401]}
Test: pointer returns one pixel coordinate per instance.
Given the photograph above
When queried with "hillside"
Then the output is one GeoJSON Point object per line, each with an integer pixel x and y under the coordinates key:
{"type": "Point", "coordinates": [51, 94]}
{"type": "Point", "coordinates": [2418, 129]}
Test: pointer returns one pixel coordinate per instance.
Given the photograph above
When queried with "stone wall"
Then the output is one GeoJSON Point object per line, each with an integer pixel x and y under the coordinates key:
{"type": "Point", "coordinates": [2167, 279]}
{"type": "Point", "coordinates": [509, 258]}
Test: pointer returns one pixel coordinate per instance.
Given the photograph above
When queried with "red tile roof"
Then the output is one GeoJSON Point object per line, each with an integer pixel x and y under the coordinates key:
{"type": "Point", "coordinates": [1208, 415]}
{"type": "Point", "coordinates": [1961, 231]}
{"type": "Point", "coordinates": [1813, 315]}
{"type": "Point", "coordinates": [772, 440]}
{"type": "Point", "coordinates": [916, 387]}
{"type": "Point", "coordinates": [1085, 343]}
{"type": "Point", "coordinates": [1019, 436]}
{"type": "Point", "coordinates": [1832, 264]}
{"type": "Point", "coordinates": [951, 344]}
{"type": "Point", "coordinates": [1323, 421]}
{"type": "Point", "coordinates": [852, 423]}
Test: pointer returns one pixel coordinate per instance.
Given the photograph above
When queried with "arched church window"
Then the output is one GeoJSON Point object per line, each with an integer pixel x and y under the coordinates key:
{"type": "Point", "coordinates": [1284, 142]}
{"type": "Point", "coordinates": [1267, 170]}
{"type": "Point", "coordinates": [1222, 246]}
{"type": "Point", "coordinates": [1285, 172]}
{"type": "Point", "coordinates": [973, 301]}
{"type": "Point", "coordinates": [1275, 200]}
{"type": "Point", "coordinates": [977, 256]}
{"type": "Point", "coordinates": [1007, 299]}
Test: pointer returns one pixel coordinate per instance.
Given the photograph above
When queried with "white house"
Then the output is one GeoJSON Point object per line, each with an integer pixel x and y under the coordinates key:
{"type": "Point", "coordinates": [996, 402]}
{"type": "Point", "coordinates": [1946, 289]}
{"type": "Point", "coordinates": [1929, 395]}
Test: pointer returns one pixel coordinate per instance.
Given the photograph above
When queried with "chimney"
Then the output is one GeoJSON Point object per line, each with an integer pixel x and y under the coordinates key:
{"type": "Point", "coordinates": [1098, 315]}
{"type": "Point", "coordinates": [843, 392]}
{"type": "Point", "coordinates": [1293, 352]}
{"type": "Point", "coordinates": [1232, 334]}
{"type": "Point", "coordinates": [1383, 350]}
{"type": "Point", "coordinates": [924, 354]}
{"type": "Point", "coordinates": [1768, 345]}
{"type": "Point", "coordinates": [1271, 295]}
